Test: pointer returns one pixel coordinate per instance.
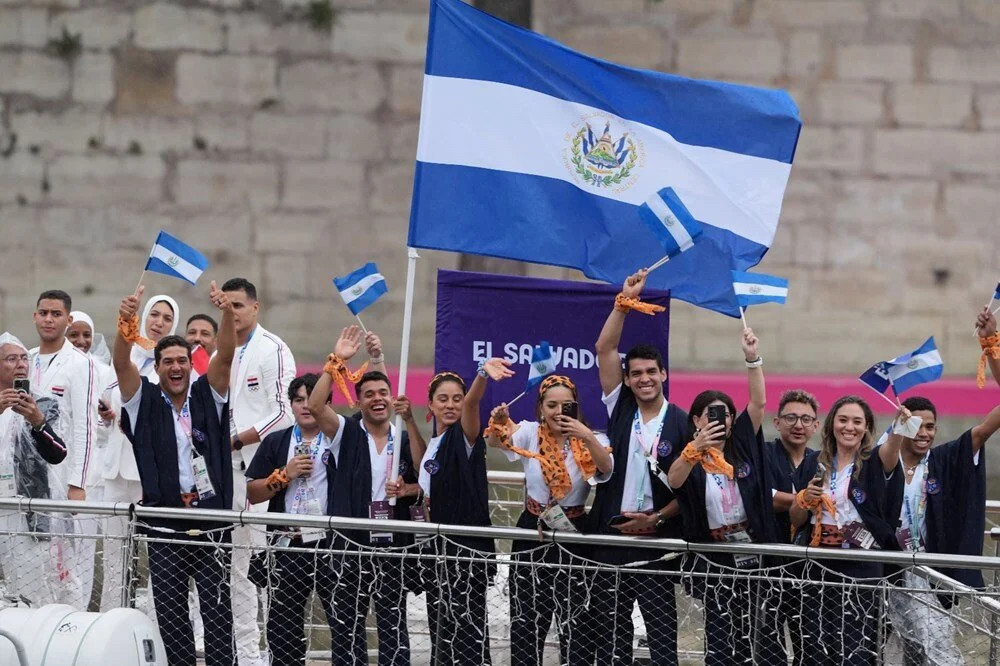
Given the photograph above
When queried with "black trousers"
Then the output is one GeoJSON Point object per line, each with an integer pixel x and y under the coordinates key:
{"type": "Point", "coordinates": [294, 577]}
{"type": "Point", "coordinates": [615, 593]}
{"type": "Point", "coordinates": [731, 620]}
{"type": "Point", "coordinates": [361, 581]}
{"type": "Point", "coordinates": [781, 606]}
{"type": "Point", "coordinates": [170, 568]}
{"type": "Point", "coordinates": [840, 624]}
{"type": "Point", "coordinates": [456, 606]}
{"type": "Point", "coordinates": [539, 594]}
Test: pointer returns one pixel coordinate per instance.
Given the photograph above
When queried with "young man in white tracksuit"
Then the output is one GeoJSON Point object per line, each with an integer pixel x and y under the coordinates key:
{"type": "Point", "coordinates": [58, 370]}
{"type": "Point", "coordinates": [262, 369]}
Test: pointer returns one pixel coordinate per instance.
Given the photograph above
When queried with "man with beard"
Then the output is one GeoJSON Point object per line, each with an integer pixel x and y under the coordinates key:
{"type": "Point", "coordinates": [647, 433]}
{"type": "Point", "coordinates": [363, 487]}
{"type": "Point", "coordinates": [29, 451]}
{"type": "Point", "coordinates": [178, 430]}
{"type": "Point", "coordinates": [202, 330]}
{"type": "Point", "coordinates": [60, 371]}
{"type": "Point", "coordinates": [944, 511]}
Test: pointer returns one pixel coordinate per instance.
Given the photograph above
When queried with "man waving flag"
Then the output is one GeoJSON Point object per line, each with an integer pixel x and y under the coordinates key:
{"type": "Point", "coordinates": [531, 151]}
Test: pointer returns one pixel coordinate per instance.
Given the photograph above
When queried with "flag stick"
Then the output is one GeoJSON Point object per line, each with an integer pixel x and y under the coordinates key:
{"type": "Point", "coordinates": [884, 397]}
{"type": "Point", "coordinates": [358, 317]}
{"type": "Point", "coordinates": [744, 318]}
{"type": "Point", "coordinates": [139, 284]}
{"type": "Point", "coordinates": [404, 356]}
{"type": "Point", "coordinates": [658, 264]}
{"type": "Point", "coordinates": [518, 397]}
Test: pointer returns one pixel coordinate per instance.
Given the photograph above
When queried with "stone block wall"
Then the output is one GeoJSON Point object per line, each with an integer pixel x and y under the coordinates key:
{"type": "Point", "coordinates": [286, 154]}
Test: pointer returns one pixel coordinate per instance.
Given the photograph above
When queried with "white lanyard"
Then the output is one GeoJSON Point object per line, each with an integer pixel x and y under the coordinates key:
{"type": "Point", "coordinates": [390, 445]}
{"type": "Point", "coordinates": [183, 417]}
{"type": "Point", "coordinates": [730, 492]}
{"type": "Point", "coordinates": [833, 491]}
{"type": "Point", "coordinates": [915, 514]}
{"type": "Point", "coordinates": [305, 494]}
{"type": "Point", "coordinates": [644, 456]}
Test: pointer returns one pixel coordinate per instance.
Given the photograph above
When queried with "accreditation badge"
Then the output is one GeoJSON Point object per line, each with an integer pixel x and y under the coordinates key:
{"type": "Point", "coordinates": [380, 510]}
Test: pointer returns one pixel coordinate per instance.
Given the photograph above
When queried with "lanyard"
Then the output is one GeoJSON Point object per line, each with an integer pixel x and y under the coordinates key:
{"type": "Point", "coordinates": [730, 492]}
{"type": "Point", "coordinates": [243, 349]}
{"type": "Point", "coordinates": [304, 491]}
{"type": "Point", "coordinates": [915, 516]}
{"type": "Point", "coordinates": [833, 489]}
{"type": "Point", "coordinates": [38, 368]}
{"type": "Point", "coordinates": [640, 490]}
{"type": "Point", "coordinates": [183, 417]}
{"type": "Point", "coordinates": [389, 447]}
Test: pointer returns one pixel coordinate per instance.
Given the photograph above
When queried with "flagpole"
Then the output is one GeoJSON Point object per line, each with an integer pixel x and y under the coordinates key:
{"type": "Point", "coordinates": [358, 317]}
{"type": "Point", "coordinates": [658, 264]}
{"type": "Point", "coordinates": [518, 397]}
{"type": "Point", "coordinates": [743, 317]}
{"type": "Point", "coordinates": [404, 355]}
{"type": "Point", "coordinates": [141, 276]}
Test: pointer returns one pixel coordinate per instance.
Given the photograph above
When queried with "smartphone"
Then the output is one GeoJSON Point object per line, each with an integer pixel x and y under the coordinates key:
{"type": "Point", "coordinates": [820, 471]}
{"type": "Point", "coordinates": [102, 405]}
{"type": "Point", "coordinates": [618, 520]}
{"type": "Point", "coordinates": [302, 449]}
{"type": "Point", "coordinates": [717, 414]}
{"type": "Point", "coordinates": [571, 409]}
{"type": "Point", "coordinates": [22, 385]}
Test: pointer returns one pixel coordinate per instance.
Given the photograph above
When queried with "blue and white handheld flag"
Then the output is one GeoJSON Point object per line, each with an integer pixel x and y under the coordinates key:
{"type": "Point", "coordinates": [589, 144]}
{"type": "Point", "coordinates": [361, 288]}
{"type": "Point", "coordinates": [904, 372]}
{"type": "Point", "coordinates": [670, 221]}
{"type": "Point", "coordinates": [757, 288]}
{"type": "Point", "coordinates": [172, 257]}
{"type": "Point", "coordinates": [996, 294]}
{"type": "Point", "coordinates": [542, 364]}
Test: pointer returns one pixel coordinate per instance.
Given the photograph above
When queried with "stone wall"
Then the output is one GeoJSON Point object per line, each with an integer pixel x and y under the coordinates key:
{"type": "Point", "coordinates": [286, 152]}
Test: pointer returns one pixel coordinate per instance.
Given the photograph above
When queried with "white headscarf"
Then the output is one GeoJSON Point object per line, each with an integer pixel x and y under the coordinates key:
{"type": "Point", "coordinates": [98, 346]}
{"type": "Point", "coordinates": [140, 355]}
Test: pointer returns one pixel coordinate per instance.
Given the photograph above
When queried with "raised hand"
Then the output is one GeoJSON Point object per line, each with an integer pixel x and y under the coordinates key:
{"type": "Point", "coordinates": [750, 343]}
{"type": "Point", "coordinates": [349, 342]}
{"type": "Point", "coordinates": [634, 283]}
{"type": "Point", "coordinates": [130, 304]}
{"type": "Point", "coordinates": [219, 298]}
{"type": "Point", "coordinates": [498, 369]}
{"type": "Point", "coordinates": [986, 323]}
{"type": "Point", "coordinates": [373, 345]}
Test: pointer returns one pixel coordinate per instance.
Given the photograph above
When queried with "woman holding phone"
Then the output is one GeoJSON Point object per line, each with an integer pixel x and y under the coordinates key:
{"type": "Point", "coordinates": [724, 493]}
{"type": "Point", "coordinates": [855, 503]}
{"type": "Point", "coordinates": [562, 458]}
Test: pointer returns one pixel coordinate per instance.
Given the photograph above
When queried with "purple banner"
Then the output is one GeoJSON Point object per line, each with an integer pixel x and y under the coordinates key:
{"type": "Point", "coordinates": [480, 315]}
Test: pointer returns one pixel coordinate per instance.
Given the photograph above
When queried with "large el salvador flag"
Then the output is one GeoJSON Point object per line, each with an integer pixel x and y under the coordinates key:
{"type": "Point", "coordinates": [531, 151]}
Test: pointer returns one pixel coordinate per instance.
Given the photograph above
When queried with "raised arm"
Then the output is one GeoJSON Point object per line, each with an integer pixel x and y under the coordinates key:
{"type": "Point", "coordinates": [496, 369]}
{"type": "Point", "coordinates": [755, 379]}
{"type": "Point", "coordinates": [221, 364]}
{"type": "Point", "coordinates": [609, 364]}
{"type": "Point", "coordinates": [373, 345]}
{"type": "Point", "coordinates": [327, 419]}
{"type": "Point", "coordinates": [985, 430]}
{"type": "Point", "coordinates": [888, 453]}
{"type": "Point", "coordinates": [986, 327]}
{"type": "Point", "coordinates": [129, 379]}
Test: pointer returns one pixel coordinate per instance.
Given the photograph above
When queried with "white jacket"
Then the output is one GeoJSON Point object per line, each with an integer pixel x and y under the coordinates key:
{"type": "Point", "coordinates": [258, 390]}
{"type": "Point", "coordinates": [71, 379]}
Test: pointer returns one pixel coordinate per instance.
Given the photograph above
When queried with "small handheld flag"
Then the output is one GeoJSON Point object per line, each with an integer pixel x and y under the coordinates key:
{"type": "Point", "coordinates": [989, 306]}
{"type": "Point", "coordinates": [542, 365]}
{"type": "Point", "coordinates": [996, 294]}
{"type": "Point", "coordinates": [671, 222]}
{"type": "Point", "coordinates": [902, 373]}
{"type": "Point", "coordinates": [361, 288]}
{"type": "Point", "coordinates": [172, 257]}
{"type": "Point", "coordinates": [757, 288]}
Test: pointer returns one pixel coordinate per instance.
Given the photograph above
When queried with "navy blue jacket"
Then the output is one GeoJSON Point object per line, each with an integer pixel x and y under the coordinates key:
{"type": "Point", "coordinates": [788, 479]}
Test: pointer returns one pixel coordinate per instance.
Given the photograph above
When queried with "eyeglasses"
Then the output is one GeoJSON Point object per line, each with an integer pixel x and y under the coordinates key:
{"type": "Point", "coordinates": [14, 358]}
{"type": "Point", "coordinates": [792, 419]}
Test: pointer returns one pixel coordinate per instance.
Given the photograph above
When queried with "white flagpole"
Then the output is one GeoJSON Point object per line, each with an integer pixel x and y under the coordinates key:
{"type": "Point", "coordinates": [404, 356]}
{"type": "Point", "coordinates": [658, 264]}
{"type": "Point", "coordinates": [743, 317]}
{"type": "Point", "coordinates": [361, 323]}
{"type": "Point", "coordinates": [517, 397]}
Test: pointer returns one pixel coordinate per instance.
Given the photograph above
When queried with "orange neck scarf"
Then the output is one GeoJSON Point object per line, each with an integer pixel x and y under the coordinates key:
{"type": "Point", "coordinates": [712, 460]}
{"type": "Point", "coordinates": [991, 349]}
{"type": "Point", "coordinates": [550, 456]}
{"type": "Point", "coordinates": [337, 369]}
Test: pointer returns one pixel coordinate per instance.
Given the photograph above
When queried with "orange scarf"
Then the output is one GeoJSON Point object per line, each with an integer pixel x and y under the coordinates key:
{"type": "Point", "coordinates": [991, 349]}
{"type": "Point", "coordinates": [816, 506]}
{"type": "Point", "coordinates": [711, 460]}
{"type": "Point", "coordinates": [337, 369]}
{"type": "Point", "coordinates": [625, 304]}
{"type": "Point", "coordinates": [129, 328]}
{"type": "Point", "coordinates": [550, 456]}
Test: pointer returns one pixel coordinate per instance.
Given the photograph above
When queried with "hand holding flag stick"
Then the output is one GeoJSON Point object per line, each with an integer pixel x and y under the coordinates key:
{"type": "Point", "coordinates": [989, 306]}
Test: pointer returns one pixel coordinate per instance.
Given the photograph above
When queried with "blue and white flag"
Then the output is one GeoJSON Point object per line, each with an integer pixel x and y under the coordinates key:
{"type": "Point", "coordinates": [904, 372]}
{"type": "Point", "coordinates": [542, 364]}
{"type": "Point", "coordinates": [670, 221]}
{"type": "Point", "coordinates": [757, 288]}
{"type": "Point", "coordinates": [531, 151]}
{"type": "Point", "coordinates": [172, 257]}
{"type": "Point", "coordinates": [996, 294]}
{"type": "Point", "coordinates": [361, 288]}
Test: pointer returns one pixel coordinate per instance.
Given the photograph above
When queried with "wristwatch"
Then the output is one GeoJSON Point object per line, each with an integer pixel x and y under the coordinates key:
{"type": "Point", "coordinates": [236, 443]}
{"type": "Point", "coordinates": [660, 521]}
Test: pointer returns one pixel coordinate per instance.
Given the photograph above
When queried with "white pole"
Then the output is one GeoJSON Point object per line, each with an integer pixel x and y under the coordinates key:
{"type": "Point", "coordinates": [404, 355]}
{"type": "Point", "coordinates": [743, 317]}
{"type": "Point", "coordinates": [658, 264]}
